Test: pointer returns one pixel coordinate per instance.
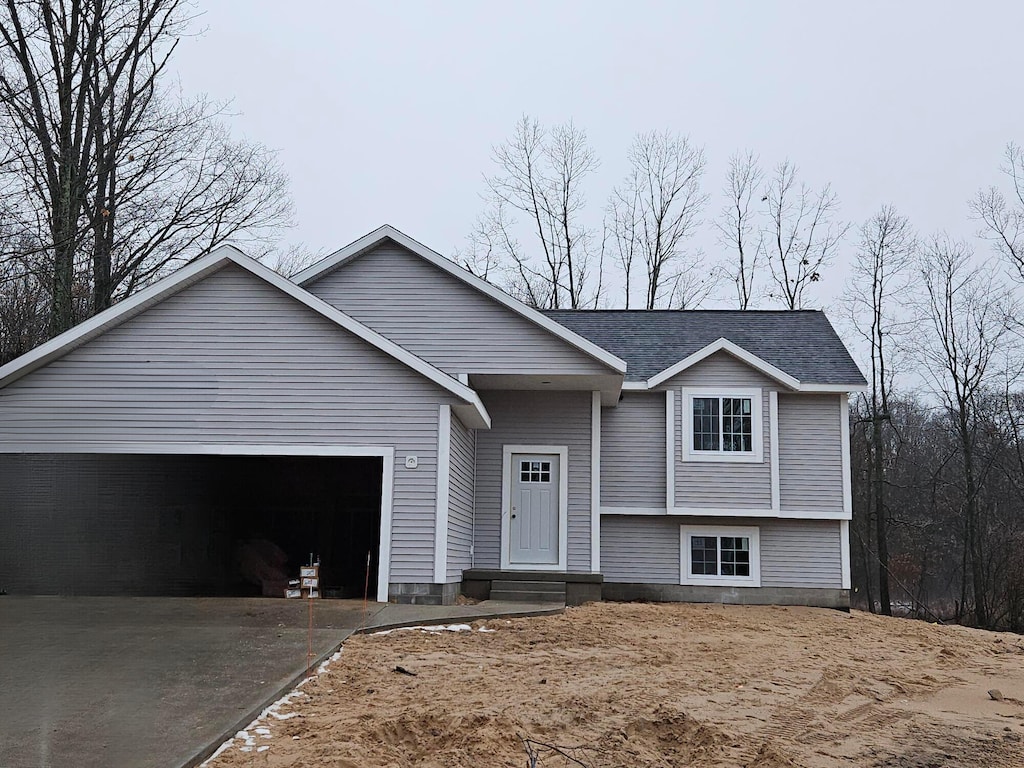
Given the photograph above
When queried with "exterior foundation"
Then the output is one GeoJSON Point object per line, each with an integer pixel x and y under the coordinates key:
{"type": "Point", "coordinates": [416, 593]}
{"type": "Point", "coordinates": [677, 593]}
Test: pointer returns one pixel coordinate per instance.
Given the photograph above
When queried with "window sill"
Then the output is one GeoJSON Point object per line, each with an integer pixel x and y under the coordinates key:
{"type": "Point", "coordinates": [723, 457]}
{"type": "Point", "coordinates": [718, 581]}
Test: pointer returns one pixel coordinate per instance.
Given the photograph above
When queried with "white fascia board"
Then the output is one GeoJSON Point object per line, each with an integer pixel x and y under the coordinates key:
{"type": "Point", "coordinates": [841, 389]}
{"type": "Point", "coordinates": [387, 232]}
{"type": "Point", "coordinates": [200, 268]}
{"type": "Point", "coordinates": [724, 345]}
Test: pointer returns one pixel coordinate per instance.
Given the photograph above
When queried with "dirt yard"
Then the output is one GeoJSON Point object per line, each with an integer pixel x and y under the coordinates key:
{"type": "Point", "coordinates": [659, 685]}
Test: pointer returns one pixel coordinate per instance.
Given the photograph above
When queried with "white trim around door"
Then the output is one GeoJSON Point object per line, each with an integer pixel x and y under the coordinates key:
{"type": "Point", "coordinates": [562, 451]}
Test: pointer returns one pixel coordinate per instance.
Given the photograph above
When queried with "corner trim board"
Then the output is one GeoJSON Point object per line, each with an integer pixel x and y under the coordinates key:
{"type": "Point", "coordinates": [773, 438]}
{"type": "Point", "coordinates": [595, 482]}
{"type": "Point", "coordinates": [844, 551]}
{"type": "Point", "coordinates": [387, 492]}
{"type": "Point", "coordinates": [844, 431]}
{"type": "Point", "coordinates": [444, 458]}
{"type": "Point", "coordinates": [670, 449]}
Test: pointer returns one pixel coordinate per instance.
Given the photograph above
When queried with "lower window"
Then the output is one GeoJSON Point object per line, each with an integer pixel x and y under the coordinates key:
{"type": "Point", "coordinates": [726, 555]}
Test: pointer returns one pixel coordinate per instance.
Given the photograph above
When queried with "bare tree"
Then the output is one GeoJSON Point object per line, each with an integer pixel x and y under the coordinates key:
{"type": "Point", "coordinates": [880, 275]}
{"type": "Point", "coordinates": [736, 223]}
{"type": "Point", "coordinates": [116, 178]}
{"type": "Point", "coordinates": [622, 217]}
{"type": "Point", "coordinates": [1002, 214]}
{"type": "Point", "coordinates": [541, 175]}
{"type": "Point", "coordinates": [802, 235]}
{"type": "Point", "coordinates": [655, 212]}
{"type": "Point", "coordinates": [968, 309]}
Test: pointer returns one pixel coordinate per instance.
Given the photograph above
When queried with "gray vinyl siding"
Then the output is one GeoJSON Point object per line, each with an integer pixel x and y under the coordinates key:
{"type": "Point", "coordinates": [794, 553]}
{"type": "Point", "coordinates": [633, 452]}
{"type": "Point", "coordinates": [461, 490]}
{"type": "Point", "coordinates": [722, 485]}
{"type": "Point", "coordinates": [810, 453]}
{"type": "Point", "coordinates": [533, 418]}
{"type": "Point", "coordinates": [232, 360]}
{"type": "Point", "coordinates": [801, 553]}
{"type": "Point", "coordinates": [640, 550]}
{"type": "Point", "coordinates": [443, 320]}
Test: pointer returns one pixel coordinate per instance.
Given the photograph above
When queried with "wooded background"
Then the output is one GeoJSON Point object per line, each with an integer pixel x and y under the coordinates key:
{"type": "Point", "coordinates": [111, 177]}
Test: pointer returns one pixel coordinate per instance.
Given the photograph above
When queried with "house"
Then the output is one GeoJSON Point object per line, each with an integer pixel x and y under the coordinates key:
{"type": "Point", "coordinates": [421, 432]}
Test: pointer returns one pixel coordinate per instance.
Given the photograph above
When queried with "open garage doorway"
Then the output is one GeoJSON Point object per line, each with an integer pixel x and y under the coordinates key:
{"type": "Point", "coordinates": [285, 511]}
{"type": "Point", "coordinates": [190, 525]}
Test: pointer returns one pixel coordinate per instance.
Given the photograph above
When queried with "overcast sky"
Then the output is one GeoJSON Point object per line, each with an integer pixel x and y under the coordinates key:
{"type": "Point", "coordinates": [386, 112]}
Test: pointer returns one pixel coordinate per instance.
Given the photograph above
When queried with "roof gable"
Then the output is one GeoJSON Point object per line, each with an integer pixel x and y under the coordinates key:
{"type": "Point", "coordinates": [724, 345]}
{"type": "Point", "coordinates": [200, 270]}
{"type": "Point", "coordinates": [369, 242]}
{"type": "Point", "coordinates": [801, 344]}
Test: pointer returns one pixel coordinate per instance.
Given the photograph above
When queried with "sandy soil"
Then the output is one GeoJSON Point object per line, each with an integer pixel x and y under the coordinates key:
{"type": "Point", "coordinates": [661, 685]}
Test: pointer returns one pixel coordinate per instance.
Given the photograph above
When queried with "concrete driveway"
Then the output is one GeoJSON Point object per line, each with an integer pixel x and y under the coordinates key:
{"type": "Point", "coordinates": [147, 681]}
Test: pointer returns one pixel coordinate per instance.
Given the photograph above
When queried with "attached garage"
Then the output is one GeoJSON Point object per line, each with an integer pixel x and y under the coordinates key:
{"type": "Point", "coordinates": [188, 525]}
{"type": "Point", "coordinates": [205, 436]}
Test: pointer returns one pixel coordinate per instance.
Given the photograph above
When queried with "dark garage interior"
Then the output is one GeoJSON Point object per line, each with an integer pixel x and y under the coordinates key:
{"type": "Point", "coordinates": [186, 525]}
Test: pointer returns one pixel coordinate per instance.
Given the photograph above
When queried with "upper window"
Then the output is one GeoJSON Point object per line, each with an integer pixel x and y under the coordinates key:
{"type": "Point", "coordinates": [722, 426]}
{"type": "Point", "coordinates": [535, 471]}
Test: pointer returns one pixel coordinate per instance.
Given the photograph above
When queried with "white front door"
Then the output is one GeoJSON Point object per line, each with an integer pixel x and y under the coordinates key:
{"type": "Point", "coordinates": [533, 512]}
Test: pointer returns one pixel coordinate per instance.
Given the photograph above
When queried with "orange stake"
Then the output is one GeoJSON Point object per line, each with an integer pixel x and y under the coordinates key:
{"type": "Point", "coordinates": [309, 651]}
{"type": "Point", "coordinates": [366, 588]}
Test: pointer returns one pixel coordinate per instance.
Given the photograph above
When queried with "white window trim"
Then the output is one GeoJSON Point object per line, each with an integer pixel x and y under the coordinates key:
{"type": "Point", "coordinates": [688, 578]}
{"type": "Point", "coordinates": [562, 451]}
{"type": "Point", "coordinates": [756, 456]}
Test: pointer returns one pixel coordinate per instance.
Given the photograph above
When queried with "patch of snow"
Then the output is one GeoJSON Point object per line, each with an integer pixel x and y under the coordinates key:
{"type": "Point", "coordinates": [226, 745]}
{"type": "Point", "coordinates": [327, 662]}
{"type": "Point", "coordinates": [249, 742]}
{"type": "Point", "coordinates": [432, 628]}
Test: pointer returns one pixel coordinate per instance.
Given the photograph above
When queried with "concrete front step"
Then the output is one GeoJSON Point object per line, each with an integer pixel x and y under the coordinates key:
{"type": "Point", "coordinates": [525, 596]}
{"type": "Point", "coordinates": [507, 585]}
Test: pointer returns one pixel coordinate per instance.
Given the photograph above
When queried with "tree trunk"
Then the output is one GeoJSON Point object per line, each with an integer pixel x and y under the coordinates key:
{"type": "Point", "coordinates": [881, 524]}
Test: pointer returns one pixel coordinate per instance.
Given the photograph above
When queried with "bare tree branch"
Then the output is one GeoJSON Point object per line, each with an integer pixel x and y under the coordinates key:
{"type": "Point", "coordinates": [736, 224]}
{"type": "Point", "coordinates": [655, 211]}
{"type": "Point", "coordinates": [802, 236]}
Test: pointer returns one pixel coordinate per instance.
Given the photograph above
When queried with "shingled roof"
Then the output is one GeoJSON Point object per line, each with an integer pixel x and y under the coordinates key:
{"type": "Point", "coordinates": [802, 343]}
